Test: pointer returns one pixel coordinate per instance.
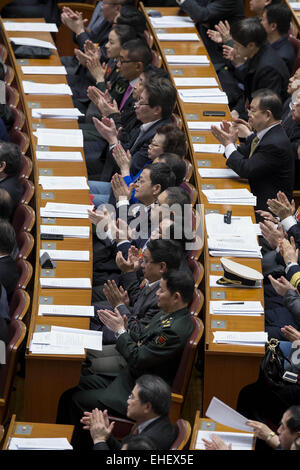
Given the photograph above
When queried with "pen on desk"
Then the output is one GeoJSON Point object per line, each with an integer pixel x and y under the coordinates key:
{"type": "Point", "coordinates": [233, 303]}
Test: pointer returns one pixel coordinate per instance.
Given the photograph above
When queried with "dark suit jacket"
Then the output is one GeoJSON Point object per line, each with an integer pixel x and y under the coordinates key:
{"type": "Point", "coordinates": [286, 51]}
{"type": "Point", "coordinates": [265, 70]}
{"type": "Point", "coordinates": [161, 432]}
{"type": "Point", "coordinates": [8, 274]}
{"type": "Point", "coordinates": [13, 187]}
{"type": "Point", "coordinates": [271, 167]}
{"type": "Point", "coordinates": [47, 9]}
{"type": "Point", "coordinates": [213, 11]}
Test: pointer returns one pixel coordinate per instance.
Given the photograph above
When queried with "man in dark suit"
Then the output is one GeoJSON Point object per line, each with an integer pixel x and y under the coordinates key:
{"type": "Point", "coordinates": [157, 351]}
{"type": "Point", "coordinates": [212, 11]}
{"type": "Point", "coordinates": [8, 272]}
{"type": "Point", "coordinates": [266, 158]}
{"type": "Point", "coordinates": [153, 109]}
{"type": "Point", "coordinates": [10, 167]}
{"type": "Point", "coordinates": [263, 67]}
{"type": "Point", "coordinates": [148, 405]}
{"type": "Point", "coordinates": [276, 20]}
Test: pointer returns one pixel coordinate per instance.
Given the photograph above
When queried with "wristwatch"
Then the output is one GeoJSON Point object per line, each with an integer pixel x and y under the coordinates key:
{"type": "Point", "coordinates": [119, 332]}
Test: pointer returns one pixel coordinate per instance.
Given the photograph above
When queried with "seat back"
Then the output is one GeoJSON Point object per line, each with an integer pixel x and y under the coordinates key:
{"type": "Point", "coordinates": [17, 331]}
{"type": "Point", "coordinates": [25, 242]}
{"type": "Point", "coordinates": [25, 273]}
{"type": "Point", "coordinates": [177, 120]}
{"type": "Point", "coordinates": [189, 170]}
{"type": "Point", "coordinates": [156, 59]}
{"type": "Point", "coordinates": [23, 219]}
{"type": "Point", "coordinates": [122, 427]}
{"type": "Point", "coordinates": [197, 270]}
{"type": "Point", "coordinates": [296, 44]}
{"type": "Point", "coordinates": [12, 95]}
{"type": "Point", "coordinates": [183, 429]}
{"type": "Point", "coordinates": [19, 304]}
{"type": "Point", "coordinates": [9, 74]}
{"type": "Point", "coordinates": [197, 303]}
{"type": "Point", "coordinates": [3, 53]}
{"type": "Point", "coordinates": [26, 167]}
{"type": "Point", "coordinates": [20, 138]}
{"type": "Point", "coordinates": [19, 118]}
{"type": "Point", "coordinates": [191, 190]}
{"type": "Point", "coordinates": [182, 378]}
{"type": "Point", "coordinates": [28, 190]}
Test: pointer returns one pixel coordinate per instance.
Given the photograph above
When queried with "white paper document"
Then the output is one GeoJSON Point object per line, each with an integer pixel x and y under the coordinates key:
{"type": "Point", "coordinates": [223, 414]}
{"type": "Point", "coordinates": [235, 246]}
{"type": "Point", "coordinates": [240, 226]}
{"type": "Point", "coordinates": [44, 70]}
{"type": "Point", "coordinates": [67, 255]}
{"type": "Point", "coordinates": [208, 148]}
{"type": "Point", "coordinates": [187, 59]}
{"type": "Point", "coordinates": [172, 22]}
{"type": "Point", "coordinates": [241, 338]}
{"type": "Point", "coordinates": [217, 173]}
{"type": "Point", "coordinates": [235, 307]}
{"type": "Point", "coordinates": [195, 81]}
{"type": "Point", "coordinates": [203, 95]}
{"type": "Point", "coordinates": [63, 336]}
{"type": "Point", "coordinates": [37, 27]}
{"type": "Point", "coordinates": [202, 125]}
{"type": "Point", "coordinates": [63, 182]}
{"type": "Point", "coordinates": [65, 283]}
{"type": "Point", "coordinates": [213, 283]}
{"type": "Point", "coordinates": [238, 440]}
{"type": "Point", "coordinates": [32, 42]}
{"type": "Point", "coordinates": [67, 231]}
{"type": "Point", "coordinates": [59, 137]}
{"type": "Point", "coordinates": [41, 443]}
{"type": "Point", "coordinates": [59, 156]}
{"type": "Point", "coordinates": [56, 113]}
{"type": "Point", "coordinates": [49, 349]}
{"type": "Point", "coordinates": [33, 88]}
{"type": "Point", "coordinates": [295, 5]}
{"type": "Point", "coordinates": [241, 196]}
{"type": "Point", "coordinates": [64, 210]}
{"type": "Point", "coordinates": [178, 37]}
{"type": "Point", "coordinates": [66, 310]}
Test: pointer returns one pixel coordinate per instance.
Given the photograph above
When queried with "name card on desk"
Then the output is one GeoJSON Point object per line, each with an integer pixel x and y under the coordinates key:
{"type": "Point", "coordinates": [65, 283]}
{"type": "Point", "coordinates": [44, 70]}
{"type": "Point", "coordinates": [67, 255]}
{"type": "Point", "coordinates": [36, 27]}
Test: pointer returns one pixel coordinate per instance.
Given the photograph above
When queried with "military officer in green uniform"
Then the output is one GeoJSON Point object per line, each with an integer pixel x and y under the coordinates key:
{"type": "Point", "coordinates": [157, 351]}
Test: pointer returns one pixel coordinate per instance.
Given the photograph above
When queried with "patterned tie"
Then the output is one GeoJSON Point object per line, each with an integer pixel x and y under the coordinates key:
{"type": "Point", "coordinates": [254, 144]}
{"type": "Point", "coordinates": [126, 95]}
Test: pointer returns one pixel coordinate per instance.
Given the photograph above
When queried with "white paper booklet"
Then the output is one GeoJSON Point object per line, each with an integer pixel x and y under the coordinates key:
{"type": "Point", "coordinates": [33, 88]}
{"type": "Point", "coordinates": [44, 70]}
{"type": "Point", "coordinates": [241, 338]}
{"type": "Point", "coordinates": [208, 148]}
{"type": "Point", "coordinates": [235, 307]}
{"type": "Point", "coordinates": [66, 310]}
{"type": "Point", "coordinates": [172, 22]}
{"type": "Point", "coordinates": [59, 137]}
{"type": "Point", "coordinates": [68, 231]}
{"type": "Point", "coordinates": [41, 443]}
{"type": "Point", "coordinates": [65, 283]}
{"type": "Point", "coordinates": [37, 27]}
{"type": "Point", "coordinates": [195, 81]}
{"type": "Point", "coordinates": [202, 125]}
{"type": "Point", "coordinates": [59, 156]}
{"type": "Point", "coordinates": [63, 182]}
{"type": "Point", "coordinates": [63, 336]}
{"type": "Point", "coordinates": [217, 173]}
{"type": "Point", "coordinates": [178, 37]}
{"type": "Point", "coordinates": [295, 5]}
{"type": "Point", "coordinates": [56, 113]}
{"type": "Point", "coordinates": [64, 210]}
{"type": "Point", "coordinates": [32, 42]}
{"type": "Point", "coordinates": [67, 255]}
{"type": "Point", "coordinates": [187, 59]}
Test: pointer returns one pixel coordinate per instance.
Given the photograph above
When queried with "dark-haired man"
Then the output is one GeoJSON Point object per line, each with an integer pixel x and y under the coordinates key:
{"type": "Point", "coordinates": [156, 351]}
{"type": "Point", "coordinates": [148, 405]}
{"type": "Point", "coordinates": [266, 157]}
{"type": "Point", "coordinates": [8, 271]}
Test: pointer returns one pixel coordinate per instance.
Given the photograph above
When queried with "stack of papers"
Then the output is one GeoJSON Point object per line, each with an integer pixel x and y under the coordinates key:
{"type": "Point", "coordinates": [235, 307]}
{"type": "Point", "coordinates": [67, 255]}
{"type": "Point", "coordinates": [67, 231]}
{"type": "Point", "coordinates": [178, 37]}
{"type": "Point", "coordinates": [63, 182]}
{"type": "Point", "coordinates": [239, 197]}
{"type": "Point", "coordinates": [187, 59]}
{"type": "Point", "coordinates": [295, 5]}
{"type": "Point", "coordinates": [66, 310]}
{"type": "Point", "coordinates": [59, 156]}
{"type": "Point", "coordinates": [32, 88]}
{"type": "Point", "coordinates": [195, 81]}
{"type": "Point", "coordinates": [223, 414]}
{"type": "Point", "coordinates": [44, 70]}
{"type": "Point", "coordinates": [40, 443]}
{"type": "Point", "coordinates": [61, 337]}
{"type": "Point", "coordinates": [65, 283]}
{"type": "Point", "coordinates": [242, 338]}
{"type": "Point", "coordinates": [56, 113]}
{"type": "Point", "coordinates": [202, 125]}
{"type": "Point", "coordinates": [217, 173]}
{"type": "Point", "coordinates": [203, 95]}
{"type": "Point", "coordinates": [37, 27]}
{"type": "Point", "coordinates": [238, 440]}
{"type": "Point", "coordinates": [71, 211]}
{"type": "Point", "coordinates": [236, 239]}
{"type": "Point", "coordinates": [213, 283]}
{"type": "Point", "coordinates": [32, 42]}
{"type": "Point", "coordinates": [172, 22]}
{"type": "Point", "coordinates": [59, 137]}
{"type": "Point", "coordinates": [208, 148]}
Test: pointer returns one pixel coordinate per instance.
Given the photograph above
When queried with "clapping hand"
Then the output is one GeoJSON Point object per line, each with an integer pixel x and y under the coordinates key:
{"type": "Point", "coordinates": [133, 262]}
{"type": "Point", "coordinates": [271, 234]}
{"type": "Point", "coordinates": [113, 320]}
{"type": "Point", "coordinates": [281, 206]}
{"type": "Point", "coordinates": [291, 333]}
{"type": "Point", "coordinates": [122, 159]}
{"type": "Point", "coordinates": [115, 295]}
{"type": "Point", "coordinates": [226, 134]}
{"type": "Point", "coordinates": [281, 285]}
{"type": "Point", "coordinates": [97, 423]}
{"type": "Point", "coordinates": [107, 129]}
{"type": "Point", "coordinates": [288, 251]}
{"type": "Point", "coordinates": [120, 188]}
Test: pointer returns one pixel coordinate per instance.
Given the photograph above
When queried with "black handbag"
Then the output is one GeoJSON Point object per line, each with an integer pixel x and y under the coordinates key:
{"type": "Point", "coordinates": [30, 52]}
{"type": "Point", "coordinates": [272, 364]}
